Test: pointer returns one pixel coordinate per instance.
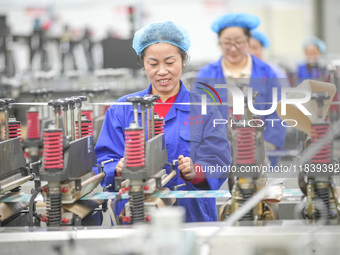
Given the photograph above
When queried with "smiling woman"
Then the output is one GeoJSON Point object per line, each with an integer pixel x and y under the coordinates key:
{"type": "Point", "coordinates": [162, 48]}
{"type": "Point", "coordinates": [190, 137]}
{"type": "Point", "coordinates": [163, 66]}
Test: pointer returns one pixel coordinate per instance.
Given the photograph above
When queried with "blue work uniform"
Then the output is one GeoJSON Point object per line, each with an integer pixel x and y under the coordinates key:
{"type": "Point", "coordinates": [263, 80]}
{"type": "Point", "coordinates": [187, 133]}
{"type": "Point", "coordinates": [305, 72]}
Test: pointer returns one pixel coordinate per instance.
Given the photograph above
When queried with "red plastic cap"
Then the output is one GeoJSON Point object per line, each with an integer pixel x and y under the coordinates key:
{"type": "Point", "coordinates": [64, 189]}
{"type": "Point", "coordinates": [148, 218]}
{"type": "Point", "coordinates": [65, 220]}
{"type": "Point", "coordinates": [43, 218]}
{"type": "Point", "coordinates": [126, 219]}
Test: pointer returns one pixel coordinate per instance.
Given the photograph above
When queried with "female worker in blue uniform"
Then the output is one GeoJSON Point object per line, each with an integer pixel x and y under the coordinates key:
{"type": "Point", "coordinates": [311, 69]}
{"type": "Point", "coordinates": [238, 66]}
{"type": "Point", "coordinates": [190, 137]}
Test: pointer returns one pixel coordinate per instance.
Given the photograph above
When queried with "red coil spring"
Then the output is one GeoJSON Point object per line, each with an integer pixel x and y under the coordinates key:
{"type": "Point", "coordinates": [86, 128]}
{"type": "Point", "coordinates": [88, 114]}
{"type": "Point", "coordinates": [159, 126]}
{"type": "Point", "coordinates": [245, 145]}
{"type": "Point", "coordinates": [53, 149]}
{"type": "Point", "coordinates": [324, 155]}
{"type": "Point", "coordinates": [33, 125]}
{"type": "Point", "coordinates": [14, 128]}
{"type": "Point", "coordinates": [134, 147]}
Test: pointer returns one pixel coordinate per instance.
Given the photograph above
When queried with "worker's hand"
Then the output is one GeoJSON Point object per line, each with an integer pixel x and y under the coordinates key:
{"type": "Point", "coordinates": [186, 167]}
{"type": "Point", "coordinates": [119, 166]}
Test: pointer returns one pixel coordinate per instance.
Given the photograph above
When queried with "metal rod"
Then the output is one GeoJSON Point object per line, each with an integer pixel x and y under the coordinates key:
{"type": "Point", "coordinates": [135, 115]}
{"type": "Point", "coordinates": [57, 115]}
{"type": "Point", "coordinates": [166, 179]}
{"type": "Point", "coordinates": [152, 120]}
{"type": "Point", "coordinates": [148, 120]}
{"type": "Point", "coordinates": [142, 107]}
{"type": "Point", "coordinates": [79, 122]}
{"type": "Point", "coordinates": [135, 101]}
{"type": "Point", "coordinates": [15, 183]}
{"type": "Point", "coordinates": [73, 130]}
{"type": "Point", "coordinates": [6, 125]}
{"type": "Point", "coordinates": [151, 99]}
{"type": "Point", "coordinates": [65, 123]}
{"type": "Point", "coordinates": [101, 175]}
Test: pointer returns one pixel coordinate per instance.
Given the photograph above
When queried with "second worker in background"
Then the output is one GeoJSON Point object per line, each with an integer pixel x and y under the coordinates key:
{"type": "Point", "coordinates": [238, 67]}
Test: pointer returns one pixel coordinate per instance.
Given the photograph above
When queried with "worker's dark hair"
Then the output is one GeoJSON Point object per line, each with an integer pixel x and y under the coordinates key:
{"type": "Point", "coordinates": [184, 56]}
{"type": "Point", "coordinates": [245, 30]}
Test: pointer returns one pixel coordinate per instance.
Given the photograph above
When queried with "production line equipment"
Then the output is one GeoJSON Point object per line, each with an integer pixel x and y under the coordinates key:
{"type": "Point", "coordinates": [247, 144]}
{"type": "Point", "coordinates": [94, 111]}
{"type": "Point", "coordinates": [145, 157]}
{"type": "Point", "coordinates": [66, 167]}
{"type": "Point", "coordinates": [14, 171]}
{"type": "Point", "coordinates": [36, 121]}
{"type": "Point", "coordinates": [320, 199]}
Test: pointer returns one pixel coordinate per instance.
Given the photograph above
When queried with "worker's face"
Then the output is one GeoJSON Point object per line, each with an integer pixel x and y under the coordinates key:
{"type": "Point", "coordinates": [163, 66]}
{"type": "Point", "coordinates": [234, 44]}
{"type": "Point", "coordinates": [255, 48]}
{"type": "Point", "coordinates": [312, 53]}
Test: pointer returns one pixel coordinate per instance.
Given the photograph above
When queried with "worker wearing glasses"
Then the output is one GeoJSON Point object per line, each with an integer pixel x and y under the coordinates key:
{"type": "Point", "coordinates": [237, 66]}
{"type": "Point", "coordinates": [314, 48]}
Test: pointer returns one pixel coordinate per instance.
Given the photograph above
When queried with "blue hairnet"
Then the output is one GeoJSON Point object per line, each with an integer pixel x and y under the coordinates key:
{"type": "Point", "coordinates": [317, 42]}
{"type": "Point", "coordinates": [261, 37]}
{"type": "Point", "coordinates": [167, 32]}
{"type": "Point", "coordinates": [243, 20]}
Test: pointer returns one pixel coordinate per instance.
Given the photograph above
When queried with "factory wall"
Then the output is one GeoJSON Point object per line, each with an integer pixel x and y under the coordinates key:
{"type": "Point", "coordinates": [331, 25]}
{"type": "Point", "coordinates": [287, 23]}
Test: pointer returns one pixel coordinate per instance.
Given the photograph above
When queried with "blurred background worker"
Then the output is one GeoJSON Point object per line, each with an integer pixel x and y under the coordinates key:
{"type": "Point", "coordinates": [315, 68]}
{"type": "Point", "coordinates": [162, 48]}
{"type": "Point", "coordinates": [257, 43]}
{"type": "Point", "coordinates": [237, 66]}
{"type": "Point", "coordinates": [312, 68]}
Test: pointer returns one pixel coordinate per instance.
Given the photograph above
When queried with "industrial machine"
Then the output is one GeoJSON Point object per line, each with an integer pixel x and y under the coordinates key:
{"type": "Point", "coordinates": [67, 167]}
{"type": "Point", "coordinates": [66, 182]}
{"type": "Point", "coordinates": [247, 143]}
{"type": "Point", "coordinates": [320, 199]}
{"type": "Point", "coordinates": [14, 171]}
{"type": "Point", "coordinates": [94, 111]}
{"type": "Point", "coordinates": [145, 156]}
{"type": "Point", "coordinates": [37, 118]}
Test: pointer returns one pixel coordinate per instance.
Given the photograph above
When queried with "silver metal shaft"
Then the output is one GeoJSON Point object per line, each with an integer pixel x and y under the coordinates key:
{"type": "Point", "coordinates": [65, 124]}
{"type": "Point", "coordinates": [79, 122]}
{"type": "Point", "coordinates": [152, 121]}
{"type": "Point", "coordinates": [143, 123]}
{"type": "Point", "coordinates": [148, 121]}
{"type": "Point", "coordinates": [73, 129]}
{"type": "Point", "coordinates": [6, 125]}
{"type": "Point", "coordinates": [57, 115]}
{"type": "Point", "coordinates": [135, 115]}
